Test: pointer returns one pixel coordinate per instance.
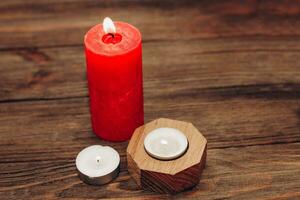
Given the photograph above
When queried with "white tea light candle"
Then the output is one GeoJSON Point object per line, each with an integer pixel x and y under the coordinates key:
{"type": "Point", "coordinates": [98, 164]}
{"type": "Point", "coordinates": [166, 143]}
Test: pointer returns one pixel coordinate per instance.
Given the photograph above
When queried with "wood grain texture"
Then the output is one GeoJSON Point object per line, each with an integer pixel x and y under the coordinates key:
{"type": "Point", "coordinates": [165, 183]}
{"type": "Point", "coordinates": [231, 68]}
{"type": "Point", "coordinates": [64, 22]}
{"type": "Point", "coordinates": [36, 158]}
{"type": "Point", "coordinates": [217, 69]}
{"type": "Point", "coordinates": [252, 173]}
{"type": "Point", "coordinates": [171, 184]}
{"type": "Point", "coordinates": [230, 123]}
{"type": "Point", "coordinates": [172, 176]}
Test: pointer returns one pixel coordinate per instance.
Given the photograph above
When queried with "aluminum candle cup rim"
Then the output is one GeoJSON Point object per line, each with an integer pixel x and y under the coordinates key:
{"type": "Point", "coordinates": [169, 133]}
{"type": "Point", "coordinates": [102, 177]}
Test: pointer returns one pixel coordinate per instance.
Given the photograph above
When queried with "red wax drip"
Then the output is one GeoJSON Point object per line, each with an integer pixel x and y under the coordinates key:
{"type": "Point", "coordinates": [112, 38]}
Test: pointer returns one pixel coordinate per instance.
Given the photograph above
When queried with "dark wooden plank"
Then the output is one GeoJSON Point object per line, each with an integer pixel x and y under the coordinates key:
{"type": "Point", "coordinates": [171, 69]}
{"type": "Point", "coordinates": [240, 173]}
{"type": "Point", "coordinates": [43, 126]}
{"type": "Point", "coordinates": [40, 139]}
{"type": "Point", "coordinates": [64, 22]}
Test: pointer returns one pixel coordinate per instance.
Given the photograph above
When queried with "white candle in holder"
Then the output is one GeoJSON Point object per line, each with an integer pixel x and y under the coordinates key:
{"type": "Point", "coordinates": [166, 143]}
{"type": "Point", "coordinates": [98, 164]}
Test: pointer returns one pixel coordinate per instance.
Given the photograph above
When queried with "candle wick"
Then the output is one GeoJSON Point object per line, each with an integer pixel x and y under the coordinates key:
{"type": "Point", "coordinates": [112, 35]}
{"type": "Point", "coordinates": [98, 159]}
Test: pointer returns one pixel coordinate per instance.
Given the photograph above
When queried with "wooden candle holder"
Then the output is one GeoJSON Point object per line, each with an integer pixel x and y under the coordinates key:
{"type": "Point", "coordinates": [166, 176]}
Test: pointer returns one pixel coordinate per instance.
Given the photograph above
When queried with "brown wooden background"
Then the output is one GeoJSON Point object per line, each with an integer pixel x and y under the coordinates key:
{"type": "Point", "coordinates": [230, 67]}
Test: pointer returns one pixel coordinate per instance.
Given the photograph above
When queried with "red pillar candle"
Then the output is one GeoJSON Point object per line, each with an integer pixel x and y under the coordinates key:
{"type": "Point", "coordinates": [114, 71]}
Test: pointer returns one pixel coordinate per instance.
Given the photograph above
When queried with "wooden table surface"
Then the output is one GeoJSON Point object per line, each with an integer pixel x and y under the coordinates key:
{"type": "Point", "coordinates": [229, 67]}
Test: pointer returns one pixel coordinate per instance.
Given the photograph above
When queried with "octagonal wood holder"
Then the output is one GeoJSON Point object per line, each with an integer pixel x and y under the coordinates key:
{"type": "Point", "coordinates": [170, 176]}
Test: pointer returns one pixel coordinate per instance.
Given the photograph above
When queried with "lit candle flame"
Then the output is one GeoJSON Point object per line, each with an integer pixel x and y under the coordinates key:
{"type": "Point", "coordinates": [108, 26]}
